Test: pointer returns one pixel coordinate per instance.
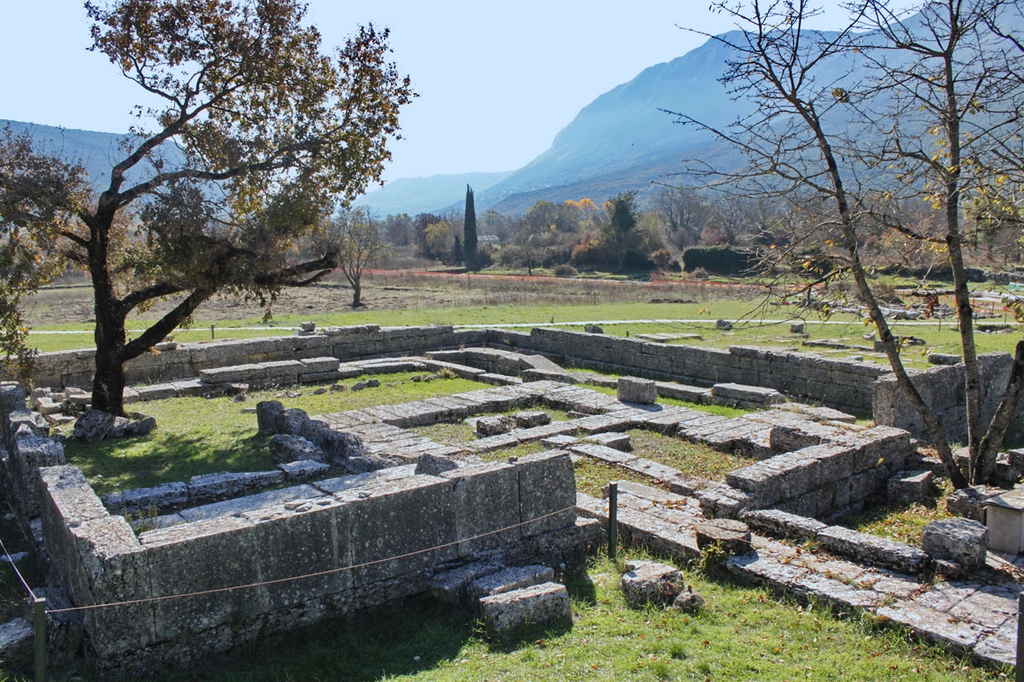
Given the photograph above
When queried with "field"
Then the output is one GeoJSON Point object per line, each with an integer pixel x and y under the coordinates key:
{"type": "Point", "coordinates": [60, 317]}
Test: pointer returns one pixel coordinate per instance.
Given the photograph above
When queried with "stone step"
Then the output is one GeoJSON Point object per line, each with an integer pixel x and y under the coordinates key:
{"type": "Point", "coordinates": [509, 579]}
{"type": "Point", "coordinates": [536, 605]}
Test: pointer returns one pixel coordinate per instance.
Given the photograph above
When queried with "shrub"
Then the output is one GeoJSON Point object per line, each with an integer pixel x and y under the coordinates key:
{"type": "Point", "coordinates": [591, 253]}
{"type": "Point", "coordinates": [700, 273]}
{"type": "Point", "coordinates": [637, 261]}
{"type": "Point", "coordinates": [565, 270]}
{"type": "Point", "coordinates": [720, 260]}
{"type": "Point", "coordinates": [662, 259]}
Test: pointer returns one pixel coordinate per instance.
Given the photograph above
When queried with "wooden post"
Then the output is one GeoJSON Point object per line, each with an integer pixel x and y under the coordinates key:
{"type": "Point", "coordinates": [39, 618]}
{"type": "Point", "coordinates": [1019, 676]}
{"type": "Point", "coordinates": [613, 519]}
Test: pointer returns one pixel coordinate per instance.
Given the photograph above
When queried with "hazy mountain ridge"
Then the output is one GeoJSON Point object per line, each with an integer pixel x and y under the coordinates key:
{"type": "Point", "coordinates": [97, 152]}
{"type": "Point", "coordinates": [426, 195]}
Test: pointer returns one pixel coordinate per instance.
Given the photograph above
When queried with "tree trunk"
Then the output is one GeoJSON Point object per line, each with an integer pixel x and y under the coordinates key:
{"type": "Point", "coordinates": [357, 293]}
{"type": "Point", "coordinates": [108, 385]}
{"type": "Point", "coordinates": [109, 381]}
{"type": "Point", "coordinates": [988, 449]}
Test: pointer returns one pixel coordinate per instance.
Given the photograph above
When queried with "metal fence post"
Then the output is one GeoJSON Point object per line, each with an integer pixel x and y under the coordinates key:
{"type": "Point", "coordinates": [39, 618]}
{"type": "Point", "coordinates": [613, 519]}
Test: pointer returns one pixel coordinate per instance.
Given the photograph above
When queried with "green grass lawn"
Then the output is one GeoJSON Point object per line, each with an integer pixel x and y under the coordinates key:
{"type": "Point", "coordinates": [742, 634]}
{"type": "Point", "coordinates": [206, 435]}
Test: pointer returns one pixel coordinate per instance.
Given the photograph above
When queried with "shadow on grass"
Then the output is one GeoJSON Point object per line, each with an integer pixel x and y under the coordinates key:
{"type": "Point", "coordinates": [151, 460]}
{"type": "Point", "coordinates": [399, 639]}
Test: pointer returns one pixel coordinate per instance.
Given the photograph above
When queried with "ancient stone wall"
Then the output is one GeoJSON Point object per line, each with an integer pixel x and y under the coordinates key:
{"type": "Point", "coordinates": [177, 361]}
{"type": "Point", "coordinates": [943, 389]}
{"type": "Point", "coordinates": [843, 384]}
{"type": "Point", "coordinates": [219, 581]}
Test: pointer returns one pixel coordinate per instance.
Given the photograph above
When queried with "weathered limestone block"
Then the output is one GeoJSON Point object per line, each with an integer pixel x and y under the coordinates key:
{"type": "Point", "coordinates": [616, 441]}
{"type": "Point", "coordinates": [747, 394]}
{"type": "Point", "coordinates": [970, 502]}
{"type": "Point", "coordinates": [450, 586]}
{"type": "Point", "coordinates": [723, 501]}
{"type": "Point", "coordinates": [908, 487]}
{"type": "Point", "coordinates": [338, 446]}
{"type": "Point", "coordinates": [71, 498]}
{"type": "Point", "coordinates": [288, 448]}
{"type": "Point", "coordinates": [161, 498]}
{"type": "Point", "coordinates": [689, 601]}
{"type": "Point", "coordinates": [432, 465]}
{"type": "Point", "coordinates": [873, 550]}
{"type": "Point", "coordinates": [292, 421]}
{"type": "Point", "coordinates": [731, 535]}
{"type": "Point", "coordinates": [535, 605]}
{"type": "Point", "coordinates": [94, 425]}
{"type": "Point", "coordinates": [961, 540]}
{"type": "Point", "coordinates": [493, 426]}
{"type": "Point", "coordinates": [113, 568]}
{"type": "Point", "coordinates": [268, 412]}
{"type": "Point", "coordinates": [648, 582]}
{"type": "Point", "coordinates": [528, 420]}
{"type": "Point", "coordinates": [780, 524]}
{"type": "Point", "coordinates": [196, 557]}
{"type": "Point", "coordinates": [487, 499]}
{"type": "Point", "coordinates": [640, 391]}
{"type": "Point", "coordinates": [16, 642]}
{"type": "Point", "coordinates": [509, 579]}
{"type": "Point", "coordinates": [426, 503]}
{"type": "Point", "coordinates": [226, 484]}
{"type": "Point", "coordinates": [547, 491]}
{"type": "Point", "coordinates": [303, 469]}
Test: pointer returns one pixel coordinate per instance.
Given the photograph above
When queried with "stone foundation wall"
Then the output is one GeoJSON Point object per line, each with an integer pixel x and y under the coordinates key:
{"type": "Point", "coordinates": [844, 384]}
{"type": "Point", "coordinates": [943, 389]}
{"type": "Point", "coordinates": [75, 368]}
{"type": "Point", "coordinates": [362, 545]}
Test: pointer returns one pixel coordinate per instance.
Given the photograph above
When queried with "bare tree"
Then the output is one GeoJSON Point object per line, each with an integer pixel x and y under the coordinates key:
{"type": "Point", "coordinates": [360, 242]}
{"type": "Point", "coordinates": [853, 149]}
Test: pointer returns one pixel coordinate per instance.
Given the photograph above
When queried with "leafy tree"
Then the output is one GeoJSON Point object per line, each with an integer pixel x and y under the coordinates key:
{"type": "Point", "coordinates": [399, 229]}
{"type": "Point", "coordinates": [469, 231]}
{"type": "Point", "coordinates": [271, 133]}
{"type": "Point", "coordinates": [38, 199]}
{"type": "Point", "coordinates": [359, 242]}
{"type": "Point", "coordinates": [419, 229]}
{"type": "Point", "coordinates": [937, 121]}
{"type": "Point", "coordinates": [619, 235]}
{"type": "Point", "coordinates": [439, 240]}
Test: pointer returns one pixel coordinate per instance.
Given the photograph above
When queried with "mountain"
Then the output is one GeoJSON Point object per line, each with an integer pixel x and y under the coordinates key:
{"type": "Point", "coordinates": [96, 152]}
{"type": "Point", "coordinates": [426, 195]}
{"type": "Point", "coordinates": [627, 139]}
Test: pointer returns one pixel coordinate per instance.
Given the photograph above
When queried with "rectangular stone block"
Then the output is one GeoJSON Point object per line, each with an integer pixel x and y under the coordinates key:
{"type": "Point", "coordinates": [115, 569]}
{"type": "Point", "coordinates": [486, 503]}
{"type": "Point", "coordinates": [537, 605]}
{"type": "Point", "coordinates": [406, 518]}
{"type": "Point", "coordinates": [199, 557]}
{"type": "Point", "coordinates": [547, 492]}
{"type": "Point", "coordinates": [323, 524]}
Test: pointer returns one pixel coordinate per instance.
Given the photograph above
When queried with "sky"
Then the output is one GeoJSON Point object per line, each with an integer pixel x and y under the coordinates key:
{"type": "Point", "coordinates": [496, 80]}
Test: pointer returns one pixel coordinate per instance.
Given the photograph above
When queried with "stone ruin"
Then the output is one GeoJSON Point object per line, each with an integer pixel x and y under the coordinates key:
{"type": "Point", "coordinates": [364, 510]}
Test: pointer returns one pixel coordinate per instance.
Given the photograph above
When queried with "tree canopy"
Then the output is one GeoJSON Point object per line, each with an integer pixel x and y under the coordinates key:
{"type": "Point", "coordinates": [255, 136]}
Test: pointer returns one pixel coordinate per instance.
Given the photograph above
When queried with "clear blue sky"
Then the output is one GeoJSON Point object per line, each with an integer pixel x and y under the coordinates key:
{"type": "Point", "coordinates": [497, 80]}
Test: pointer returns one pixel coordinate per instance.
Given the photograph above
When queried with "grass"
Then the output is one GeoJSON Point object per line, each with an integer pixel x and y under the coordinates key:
{"type": "Point", "coordinates": [904, 523]}
{"type": "Point", "coordinates": [672, 307]}
{"type": "Point", "coordinates": [690, 458]}
{"type": "Point", "coordinates": [206, 435]}
{"type": "Point", "coordinates": [743, 634]}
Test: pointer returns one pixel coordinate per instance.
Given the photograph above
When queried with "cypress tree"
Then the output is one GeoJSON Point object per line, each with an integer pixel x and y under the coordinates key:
{"type": "Point", "coordinates": [469, 233]}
